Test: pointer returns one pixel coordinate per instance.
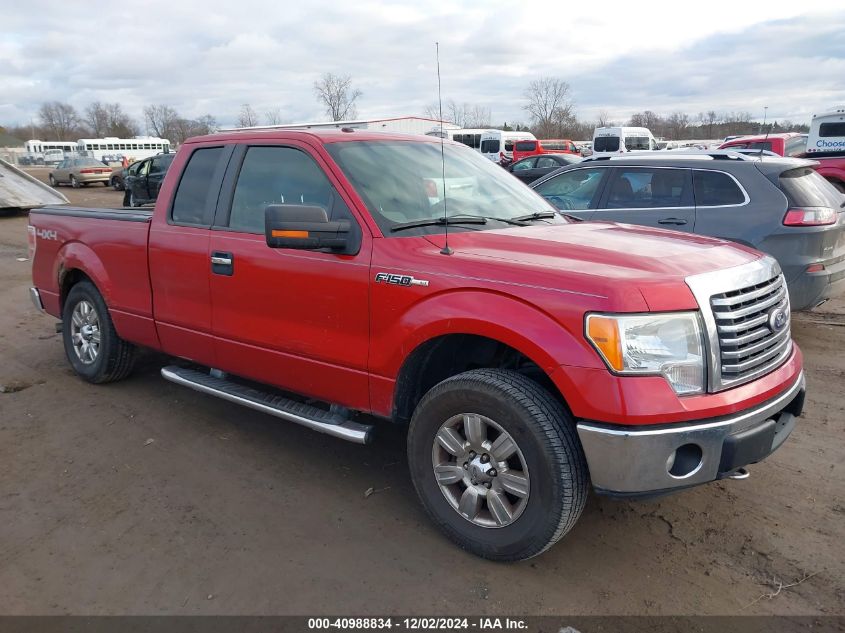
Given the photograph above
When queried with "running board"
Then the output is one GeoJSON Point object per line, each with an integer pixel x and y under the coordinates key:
{"type": "Point", "coordinates": [279, 406]}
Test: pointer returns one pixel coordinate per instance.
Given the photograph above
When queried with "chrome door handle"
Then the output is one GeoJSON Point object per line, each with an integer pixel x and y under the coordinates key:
{"type": "Point", "coordinates": [222, 261]}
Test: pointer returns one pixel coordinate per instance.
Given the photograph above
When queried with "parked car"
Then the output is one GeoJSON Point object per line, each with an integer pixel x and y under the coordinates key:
{"type": "Point", "coordinates": [118, 178]}
{"type": "Point", "coordinates": [79, 171]}
{"type": "Point", "coordinates": [780, 206]}
{"type": "Point", "coordinates": [534, 167]}
{"type": "Point", "coordinates": [782, 144]}
{"type": "Point", "coordinates": [530, 147]}
{"type": "Point", "coordinates": [528, 355]}
{"type": "Point", "coordinates": [143, 179]}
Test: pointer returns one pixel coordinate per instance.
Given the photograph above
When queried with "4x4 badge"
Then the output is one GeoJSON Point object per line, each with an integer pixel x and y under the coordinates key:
{"type": "Point", "coordinates": [399, 280]}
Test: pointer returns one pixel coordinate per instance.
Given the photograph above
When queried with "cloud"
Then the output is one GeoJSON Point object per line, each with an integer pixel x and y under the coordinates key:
{"type": "Point", "coordinates": [211, 57]}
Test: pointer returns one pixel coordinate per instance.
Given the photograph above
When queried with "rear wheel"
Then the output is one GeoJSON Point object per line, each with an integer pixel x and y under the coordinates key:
{"type": "Point", "coordinates": [74, 182]}
{"type": "Point", "coordinates": [497, 464]}
{"type": "Point", "coordinates": [92, 345]}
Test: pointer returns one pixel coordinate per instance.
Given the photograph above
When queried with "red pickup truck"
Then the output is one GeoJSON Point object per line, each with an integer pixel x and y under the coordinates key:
{"type": "Point", "coordinates": [334, 278]}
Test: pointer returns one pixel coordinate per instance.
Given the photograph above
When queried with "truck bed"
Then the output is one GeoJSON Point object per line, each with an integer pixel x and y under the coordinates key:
{"type": "Point", "coordinates": [109, 243]}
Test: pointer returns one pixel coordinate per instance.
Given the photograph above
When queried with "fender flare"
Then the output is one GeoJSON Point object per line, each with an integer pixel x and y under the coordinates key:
{"type": "Point", "coordinates": [540, 337]}
{"type": "Point", "coordinates": [77, 256]}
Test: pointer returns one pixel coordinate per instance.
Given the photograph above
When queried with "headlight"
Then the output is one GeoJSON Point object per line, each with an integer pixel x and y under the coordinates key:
{"type": "Point", "coordinates": [668, 344]}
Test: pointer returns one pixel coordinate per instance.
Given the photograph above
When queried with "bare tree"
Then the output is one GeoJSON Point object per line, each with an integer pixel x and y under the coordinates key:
{"type": "Point", "coordinates": [206, 124]}
{"type": "Point", "coordinates": [273, 117]}
{"type": "Point", "coordinates": [183, 129]}
{"type": "Point", "coordinates": [97, 119]}
{"type": "Point", "coordinates": [677, 124]}
{"type": "Point", "coordinates": [109, 119]}
{"type": "Point", "coordinates": [59, 120]}
{"type": "Point", "coordinates": [708, 119]}
{"type": "Point", "coordinates": [338, 96]}
{"type": "Point", "coordinates": [464, 115]}
{"type": "Point", "coordinates": [161, 121]}
{"type": "Point", "coordinates": [604, 119]}
{"type": "Point", "coordinates": [548, 105]}
{"type": "Point", "coordinates": [247, 116]}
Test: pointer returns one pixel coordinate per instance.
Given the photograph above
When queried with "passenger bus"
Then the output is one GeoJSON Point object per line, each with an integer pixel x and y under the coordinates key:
{"type": "Point", "coordinates": [132, 148]}
{"type": "Point", "coordinates": [471, 137]}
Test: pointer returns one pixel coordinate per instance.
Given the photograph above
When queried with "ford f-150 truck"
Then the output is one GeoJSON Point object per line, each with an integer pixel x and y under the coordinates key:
{"type": "Point", "coordinates": [334, 278]}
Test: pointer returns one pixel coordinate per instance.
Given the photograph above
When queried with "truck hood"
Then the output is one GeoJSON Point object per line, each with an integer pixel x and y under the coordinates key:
{"type": "Point", "coordinates": [609, 258]}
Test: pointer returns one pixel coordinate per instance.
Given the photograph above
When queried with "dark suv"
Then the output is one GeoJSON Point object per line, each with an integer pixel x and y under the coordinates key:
{"type": "Point", "coordinates": [142, 180]}
{"type": "Point", "coordinates": [780, 206]}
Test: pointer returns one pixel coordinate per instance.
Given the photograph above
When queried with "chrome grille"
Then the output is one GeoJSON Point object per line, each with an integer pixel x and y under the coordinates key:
{"type": "Point", "coordinates": [749, 342]}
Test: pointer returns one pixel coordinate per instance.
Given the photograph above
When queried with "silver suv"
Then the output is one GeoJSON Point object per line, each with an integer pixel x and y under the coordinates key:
{"type": "Point", "coordinates": [780, 206]}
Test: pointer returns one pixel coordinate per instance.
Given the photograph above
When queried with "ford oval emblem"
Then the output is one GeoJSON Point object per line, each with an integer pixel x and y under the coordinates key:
{"type": "Point", "coordinates": [778, 319]}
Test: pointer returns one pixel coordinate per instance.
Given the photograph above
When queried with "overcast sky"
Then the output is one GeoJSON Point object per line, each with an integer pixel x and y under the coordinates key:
{"type": "Point", "coordinates": [210, 57]}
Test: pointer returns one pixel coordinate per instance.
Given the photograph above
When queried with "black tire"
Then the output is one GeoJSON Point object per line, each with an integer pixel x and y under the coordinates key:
{"type": "Point", "coordinates": [53, 181]}
{"type": "Point", "coordinates": [126, 198]}
{"type": "Point", "coordinates": [74, 182]}
{"type": "Point", "coordinates": [115, 358]}
{"type": "Point", "coordinates": [106, 183]}
{"type": "Point", "coordinates": [547, 438]}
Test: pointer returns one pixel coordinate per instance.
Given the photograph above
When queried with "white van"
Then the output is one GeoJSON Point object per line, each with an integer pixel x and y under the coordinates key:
{"type": "Point", "coordinates": [496, 144]}
{"type": "Point", "coordinates": [827, 133]}
{"type": "Point", "coordinates": [618, 140]}
{"type": "Point", "coordinates": [53, 156]}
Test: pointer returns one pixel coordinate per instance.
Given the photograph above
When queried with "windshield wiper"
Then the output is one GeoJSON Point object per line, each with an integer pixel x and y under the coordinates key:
{"type": "Point", "coordinates": [440, 221]}
{"type": "Point", "coordinates": [537, 215]}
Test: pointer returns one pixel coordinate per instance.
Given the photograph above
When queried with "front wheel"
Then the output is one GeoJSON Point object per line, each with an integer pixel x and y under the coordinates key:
{"type": "Point", "coordinates": [53, 182]}
{"type": "Point", "coordinates": [92, 345]}
{"type": "Point", "coordinates": [496, 462]}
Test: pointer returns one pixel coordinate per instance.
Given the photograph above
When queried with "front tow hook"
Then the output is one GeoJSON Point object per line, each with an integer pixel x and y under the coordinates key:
{"type": "Point", "coordinates": [739, 473]}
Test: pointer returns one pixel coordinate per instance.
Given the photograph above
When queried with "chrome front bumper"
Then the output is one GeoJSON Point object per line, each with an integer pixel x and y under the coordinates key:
{"type": "Point", "coordinates": [35, 296]}
{"type": "Point", "coordinates": [661, 458]}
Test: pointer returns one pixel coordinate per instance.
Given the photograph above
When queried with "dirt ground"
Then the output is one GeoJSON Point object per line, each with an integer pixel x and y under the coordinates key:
{"type": "Point", "coordinates": [143, 497]}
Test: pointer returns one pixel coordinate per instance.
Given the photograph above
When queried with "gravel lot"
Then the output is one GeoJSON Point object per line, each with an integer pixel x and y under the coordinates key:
{"type": "Point", "coordinates": [146, 498]}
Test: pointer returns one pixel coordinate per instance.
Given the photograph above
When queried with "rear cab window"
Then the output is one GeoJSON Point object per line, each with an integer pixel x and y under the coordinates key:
{"type": "Point", "coordinates": [796, 146]}
{"type": "Point", "coordinates": [197, 191]}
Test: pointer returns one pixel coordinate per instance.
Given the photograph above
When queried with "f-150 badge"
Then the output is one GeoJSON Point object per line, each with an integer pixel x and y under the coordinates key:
{"type": "Point", "coordinates": [399, 280]}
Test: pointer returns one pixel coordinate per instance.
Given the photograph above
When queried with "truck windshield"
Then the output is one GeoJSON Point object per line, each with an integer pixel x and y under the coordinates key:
{"type": "Point", "coordinates": [402, 182]}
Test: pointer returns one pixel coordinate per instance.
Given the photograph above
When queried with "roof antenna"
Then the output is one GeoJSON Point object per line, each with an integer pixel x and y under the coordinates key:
{"type": "Point", "coordinates": [445, 250]}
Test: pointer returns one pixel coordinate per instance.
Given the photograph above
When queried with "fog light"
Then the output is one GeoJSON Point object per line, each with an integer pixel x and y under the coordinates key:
{"type": "Point", "coordinates": [684, 461]}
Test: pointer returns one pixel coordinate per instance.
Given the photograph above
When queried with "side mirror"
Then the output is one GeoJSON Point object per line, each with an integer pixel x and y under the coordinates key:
{"type": "Point", "coordinates": [306, 227]}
